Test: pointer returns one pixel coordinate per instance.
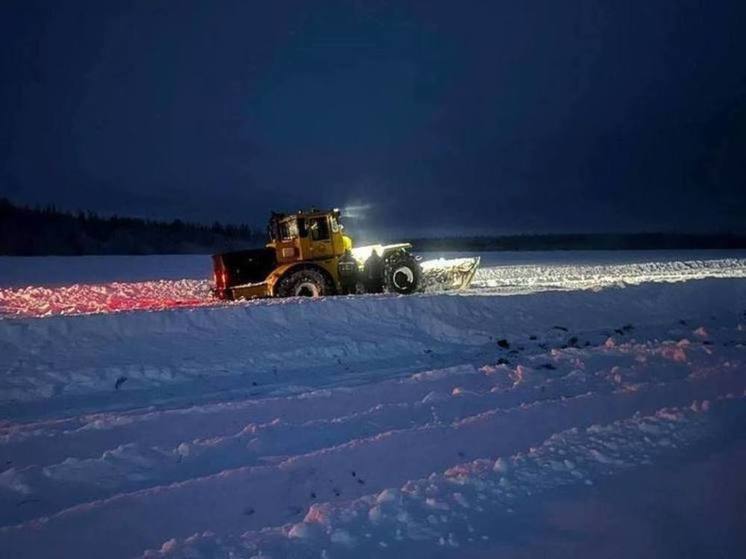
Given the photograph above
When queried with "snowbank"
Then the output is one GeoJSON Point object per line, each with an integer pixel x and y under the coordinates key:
{"type": "Point", "coordinates": [134, 351]}
{"type": "Point", "coordinates": [183, 280]}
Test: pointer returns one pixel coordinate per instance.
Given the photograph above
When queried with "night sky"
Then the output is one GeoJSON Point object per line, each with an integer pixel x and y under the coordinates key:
{"type": "Point", "coordinates": [439, 117]}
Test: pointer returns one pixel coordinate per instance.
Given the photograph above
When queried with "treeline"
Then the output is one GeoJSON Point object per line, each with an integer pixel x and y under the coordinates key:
{"type": "Point", "coordinates": [591, 241]}
{"type": "Point", "coordinates": [26, 231]}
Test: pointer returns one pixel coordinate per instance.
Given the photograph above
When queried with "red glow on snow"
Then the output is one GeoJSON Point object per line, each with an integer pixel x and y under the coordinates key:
{"type": "Point", "coordinates": [105, 298]}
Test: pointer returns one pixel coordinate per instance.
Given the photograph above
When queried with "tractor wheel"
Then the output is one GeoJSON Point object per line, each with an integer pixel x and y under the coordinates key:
{"type": "Point", "coordinates": [402, 274]}
{"type": "Point", "coordinates": [305, 282]}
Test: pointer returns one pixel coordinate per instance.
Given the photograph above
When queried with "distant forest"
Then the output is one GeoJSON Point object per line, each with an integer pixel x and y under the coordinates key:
{"type": "Point", "coordinates": [38, 231]}
{"type": "Point", "coordinates": [28, 231]}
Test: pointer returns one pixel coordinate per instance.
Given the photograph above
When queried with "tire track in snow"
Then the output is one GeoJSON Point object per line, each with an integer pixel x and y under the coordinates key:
{"type": "Point", "coordinates": [398, 455]}
{"type": "Point", "coordinates": [439, 396]}
{"type": "Point", "coordinates": [463, 504]}
{"type": "Point", "coordinates": [95, 427]}
{"type": "Point", "coordinates": [193, 416]}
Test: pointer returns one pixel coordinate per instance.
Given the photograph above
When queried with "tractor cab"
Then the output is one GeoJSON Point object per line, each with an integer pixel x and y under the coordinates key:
{"type": "Point", "coordinates": [309, 235]}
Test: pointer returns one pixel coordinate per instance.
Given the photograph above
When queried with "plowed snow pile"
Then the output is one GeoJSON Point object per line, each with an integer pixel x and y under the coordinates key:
{"type": "Point", "coordinates": [421, 426]}
{"type": "Point", "coordinates": [48, 299]}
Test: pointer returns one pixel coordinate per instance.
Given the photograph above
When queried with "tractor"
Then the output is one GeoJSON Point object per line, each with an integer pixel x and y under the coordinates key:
{"type": "Point", "coordinates": [309, 255]}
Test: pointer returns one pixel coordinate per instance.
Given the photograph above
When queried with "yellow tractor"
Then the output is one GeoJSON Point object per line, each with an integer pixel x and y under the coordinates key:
{"type": "Point", "coordinates": [309, 255]}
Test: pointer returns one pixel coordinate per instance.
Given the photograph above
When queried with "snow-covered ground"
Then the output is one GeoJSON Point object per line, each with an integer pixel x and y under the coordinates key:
{"type": "Point", "coordinates": [430, 425]}
{"type": "Point", "coordinates": [53, 271]}
{"type": "Point", "coordinates": [98, 284]}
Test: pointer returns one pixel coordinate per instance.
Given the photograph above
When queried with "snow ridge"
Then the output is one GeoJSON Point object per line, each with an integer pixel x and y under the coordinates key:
{"type": "Point", "coordinates": [214, 349]}
{"type": "Point", "coordinates": [166, 294]}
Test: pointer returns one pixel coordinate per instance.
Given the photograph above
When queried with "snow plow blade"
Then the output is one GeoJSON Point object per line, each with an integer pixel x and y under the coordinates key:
{"type": "Point", "coordinates": [446, 275]}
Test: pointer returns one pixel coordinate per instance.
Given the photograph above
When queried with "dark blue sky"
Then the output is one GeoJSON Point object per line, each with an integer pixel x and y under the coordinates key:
{"type": "Point", "coordinates": [440, 116]}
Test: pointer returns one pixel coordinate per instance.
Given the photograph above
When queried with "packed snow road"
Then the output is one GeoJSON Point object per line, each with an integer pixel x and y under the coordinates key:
{"type": "Point", "coordinates": [360, 426]}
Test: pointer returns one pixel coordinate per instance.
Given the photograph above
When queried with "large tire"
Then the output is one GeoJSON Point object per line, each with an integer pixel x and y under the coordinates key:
{"type": "Point", "coordinates": [305, 282]}
{"type": "Point", "coordinates": [401, 274]}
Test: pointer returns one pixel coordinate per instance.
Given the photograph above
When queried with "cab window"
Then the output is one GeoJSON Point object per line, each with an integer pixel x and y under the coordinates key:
{"type": "Point", "coordinates": [289, 229]}
{"type": "Point", "coordinates": [319, 228]}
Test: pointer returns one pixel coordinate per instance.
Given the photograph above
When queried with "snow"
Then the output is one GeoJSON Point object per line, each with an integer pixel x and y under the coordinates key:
{"type": "Point", "coordinates": [98, 284]}
{"type": "Point", "coordinates": [370, 425]}
{"type": "Point", "coordinates": [55, 271]}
